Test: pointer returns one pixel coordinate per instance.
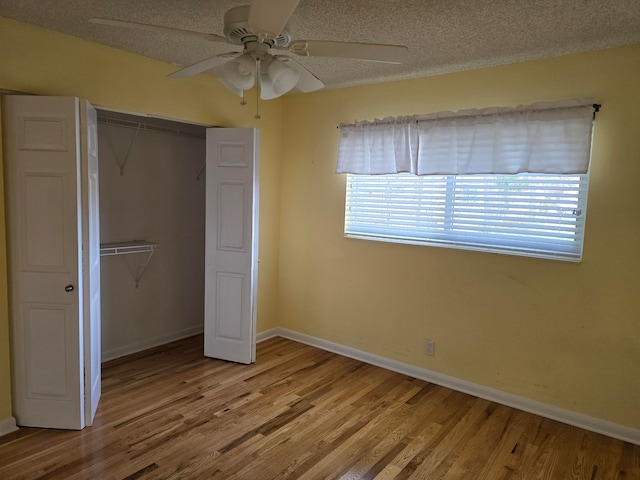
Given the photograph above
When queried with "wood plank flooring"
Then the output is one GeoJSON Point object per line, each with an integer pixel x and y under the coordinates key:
{"type": "Point", "coordinates": [301, 413]}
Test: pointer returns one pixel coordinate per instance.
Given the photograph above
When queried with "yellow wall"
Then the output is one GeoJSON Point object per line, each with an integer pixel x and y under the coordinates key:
{"type": "Point", "coordinates": [561, 333]}
{"type": "Point", "coordinates": [34, 60]}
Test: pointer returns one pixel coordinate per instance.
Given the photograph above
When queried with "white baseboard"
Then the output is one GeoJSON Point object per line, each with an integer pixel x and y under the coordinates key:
{"type": "Point", "coordinates": [593, 424]}
{"type": "Point", "coordinates": [267, 334]}
{"type": "Point", "coordinates": [118, 352]}
{"type": "Point", "coordinates": [7, 425]}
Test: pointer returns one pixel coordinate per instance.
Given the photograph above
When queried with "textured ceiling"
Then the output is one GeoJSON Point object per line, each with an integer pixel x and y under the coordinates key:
{"type": "Point", "coordinates": [442, 35]}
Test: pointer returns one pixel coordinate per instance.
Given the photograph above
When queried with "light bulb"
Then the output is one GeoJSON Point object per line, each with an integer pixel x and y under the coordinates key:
{"type": "Point", "coordinates": [283, 77]}
{"type": "Point", "coordinates": [240, 72]}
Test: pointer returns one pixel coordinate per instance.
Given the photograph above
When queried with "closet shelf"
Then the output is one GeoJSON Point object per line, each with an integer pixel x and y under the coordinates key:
{"type": "Point", "coordinates": [124, 248]}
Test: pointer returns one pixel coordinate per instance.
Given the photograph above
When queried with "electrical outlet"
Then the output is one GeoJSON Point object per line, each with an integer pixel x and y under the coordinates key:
{"type": "Point", "coordinates": [429, 347]}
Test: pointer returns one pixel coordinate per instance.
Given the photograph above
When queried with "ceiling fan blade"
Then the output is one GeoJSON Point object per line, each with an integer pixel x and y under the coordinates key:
{"type": "Point", "coordinates": [371, 52]}
{"type": "Point", "coordinates": [156, 28]}
{"type": "Point", "coordinates": [307, 82]}
{"type": "Point", "coordinates": [269, 17]}
{"type": "Point", "coordinates": [203, 66]}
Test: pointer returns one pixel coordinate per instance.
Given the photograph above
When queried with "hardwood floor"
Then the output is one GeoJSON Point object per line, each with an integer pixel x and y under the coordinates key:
{"type": "Point", "coordinates": [301, 413]}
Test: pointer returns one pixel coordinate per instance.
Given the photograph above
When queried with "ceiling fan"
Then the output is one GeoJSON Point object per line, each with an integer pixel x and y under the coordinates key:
{"type": "Point", "coordinates": [261, 29]}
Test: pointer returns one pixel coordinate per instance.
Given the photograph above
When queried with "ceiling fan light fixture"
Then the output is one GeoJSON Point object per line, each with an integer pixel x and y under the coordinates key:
{"type": "Point", "coordinates": [266, 88]}
{"type": "Point", "coordinates": [240, 72]}
{"type": "Point", "coordinates": [282, 77]}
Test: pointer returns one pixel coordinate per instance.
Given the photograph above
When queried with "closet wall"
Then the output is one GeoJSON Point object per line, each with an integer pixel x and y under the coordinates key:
{"type": "Point", "coordinates": [150, 190]}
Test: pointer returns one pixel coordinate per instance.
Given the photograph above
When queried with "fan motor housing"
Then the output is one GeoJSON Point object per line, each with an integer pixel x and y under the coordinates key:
{"type": "Point", "coordinates": [236, 28]}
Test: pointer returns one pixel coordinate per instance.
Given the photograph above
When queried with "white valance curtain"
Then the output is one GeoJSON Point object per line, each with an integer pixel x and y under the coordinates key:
{"type": "Point", "coordinates": [540, 138]}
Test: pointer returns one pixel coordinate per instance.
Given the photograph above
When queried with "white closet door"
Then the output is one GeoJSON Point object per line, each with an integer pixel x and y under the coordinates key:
{"type": "Point", "coordinates": [42, 139]}
{"type": "Point", "coordinates": [91, 258]}
{"type": "Point", "coordinates": [231, 258]}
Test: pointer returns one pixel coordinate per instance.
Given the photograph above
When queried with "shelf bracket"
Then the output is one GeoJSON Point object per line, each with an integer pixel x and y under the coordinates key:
{"type": "Point", "coordinates": [126, 248]}
{"type": "Point", "coordinates": [123, 163]}
{"type": "Point", "coordinates": [202, 169]}
{"type": "Point", "coordinates": [140, 271]}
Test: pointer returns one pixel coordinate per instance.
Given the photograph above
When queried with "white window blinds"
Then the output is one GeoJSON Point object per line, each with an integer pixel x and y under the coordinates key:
{"type": "Point", "coordinates": [550, 138]}
{"type": "Point", "coordinates": [533, 215]}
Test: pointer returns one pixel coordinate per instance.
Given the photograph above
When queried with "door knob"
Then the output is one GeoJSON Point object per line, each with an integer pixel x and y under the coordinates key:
{"type": "Point", "coordinates": [68, 288]}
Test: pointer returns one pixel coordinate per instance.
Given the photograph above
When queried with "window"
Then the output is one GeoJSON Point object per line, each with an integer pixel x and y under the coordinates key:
{"type": "Point", "coordinates": [501, 179]}
{"type": "Point", "coordinates": [537, 215]}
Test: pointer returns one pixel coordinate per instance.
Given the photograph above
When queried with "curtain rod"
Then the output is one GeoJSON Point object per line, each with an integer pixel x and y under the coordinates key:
{"type": "Point", "coordinates": [596, 109]}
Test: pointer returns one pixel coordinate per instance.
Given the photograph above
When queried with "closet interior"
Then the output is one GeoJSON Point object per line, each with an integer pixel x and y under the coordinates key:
{"type": "Point", "coordinates": [152, 226]}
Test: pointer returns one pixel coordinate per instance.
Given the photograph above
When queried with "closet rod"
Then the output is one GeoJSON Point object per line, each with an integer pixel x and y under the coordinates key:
{"type": "Point", "coordinates": [149, 127]}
